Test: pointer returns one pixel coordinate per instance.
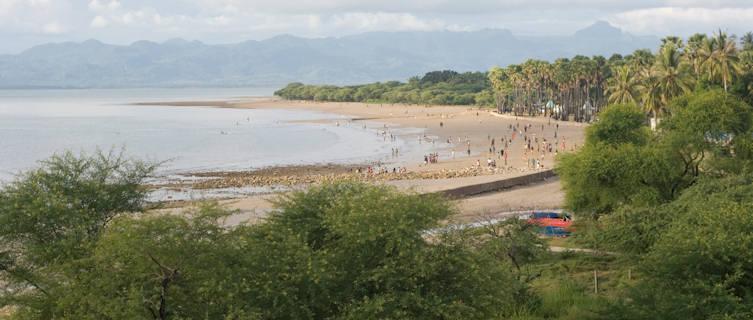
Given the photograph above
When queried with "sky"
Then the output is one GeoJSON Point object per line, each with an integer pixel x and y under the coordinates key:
{"type": "Point", "coordinates": [25, 23]}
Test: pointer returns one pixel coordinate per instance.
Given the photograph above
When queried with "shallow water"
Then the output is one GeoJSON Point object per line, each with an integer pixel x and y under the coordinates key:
{"type": "Point", "coordinates": [37, 123]}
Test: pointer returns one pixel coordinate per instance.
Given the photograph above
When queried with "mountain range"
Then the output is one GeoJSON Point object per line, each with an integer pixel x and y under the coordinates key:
{"type": "Point", "coordinates": [360, 58]}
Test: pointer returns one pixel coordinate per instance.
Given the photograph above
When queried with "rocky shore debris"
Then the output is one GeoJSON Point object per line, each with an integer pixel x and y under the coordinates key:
{"type": "Point", "coordinates": [301, 175]}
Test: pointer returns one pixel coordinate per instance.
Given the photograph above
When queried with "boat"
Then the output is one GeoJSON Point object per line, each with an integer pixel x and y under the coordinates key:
{"type": "Point", "coordinates": [551, 223]}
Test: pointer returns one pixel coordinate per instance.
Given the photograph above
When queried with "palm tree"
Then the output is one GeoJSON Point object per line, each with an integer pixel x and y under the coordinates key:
{"type": "Point", "coordinates": [694, 52]}
{"type": "Point", "coordinates": [746, 41]}
{"type": "Point", "coordinates": [706, 51]}
{"type": "Point", "coordinates": [642, 60]}
{"type": "Point", "coordinates": [746, 60]}
{"type": "Point", "coordinates": [671, 75]}
{"type": "Point", "coordinates": [623, 86]}
{"type": "Point", "coordinates": [723, 60]}
{"type": "Point", "coordinates": [672, 41]}
{"type": "Point", "coordinates": [651, 99]}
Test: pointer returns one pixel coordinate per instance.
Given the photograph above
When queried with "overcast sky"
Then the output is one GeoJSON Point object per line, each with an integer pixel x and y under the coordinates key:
{"type": "Point", "coordinates": [24, 23]}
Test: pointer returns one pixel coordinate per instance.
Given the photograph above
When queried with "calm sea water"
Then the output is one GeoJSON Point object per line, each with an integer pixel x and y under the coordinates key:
{"type": "Point", "coordinates": [34, 124]}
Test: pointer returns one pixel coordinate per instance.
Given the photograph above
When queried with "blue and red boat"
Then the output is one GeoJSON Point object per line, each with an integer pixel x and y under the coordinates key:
{"type": "Point", "coordinates": [551, 223]}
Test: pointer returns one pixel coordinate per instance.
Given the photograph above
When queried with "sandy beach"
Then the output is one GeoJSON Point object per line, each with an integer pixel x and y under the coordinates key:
{"type": "Point", "coordinates": [463, 127]}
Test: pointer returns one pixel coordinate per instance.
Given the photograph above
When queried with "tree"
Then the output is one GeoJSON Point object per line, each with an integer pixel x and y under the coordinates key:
{"type": "Point", "coordinates": [746, 41]}
{"type": "Point", "coordinates": [368, 248]}
{"type": "Point", "coordinates": [594, 180]}
{"type": "Point", "coordinates": [712, 132]}
{"type": "Point", "coordinates": [623, 88]}
{"type": "Point", "coordinates": [52, 216]}
{"type": "Point", "coordinates": [694, 52]}
{"type": "Point", "coordinates": [670, 78]}
{"type": "Point", "coordinates": [723, 62]}
{"type": "Point", "coordinates": [339, 250]}
{"type": "Point", "coordinates": [162, 267]}
{"type": "Point", "coordinates": [698, 267]}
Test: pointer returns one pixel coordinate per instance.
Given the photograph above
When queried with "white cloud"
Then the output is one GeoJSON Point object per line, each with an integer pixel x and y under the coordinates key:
{"type": "Point", "coordinates": [132, 17]}
{"type": "Point", "coordinates": [94, 5]}
{"type": "Point", "coordinates": [6, 8]}
{"type": "Point", "coordinates": [217, 21]}
{"type": "Point", "coordinates": [99, 22]}
{"type": "Point", "coordinates": [27, 22]}
{"type": "Point", "coordinates": [53, 28]}
{"type": "Point", "coordinates": [113, 5]}
{"type": "Point", "coordinates": [683, 21]}
{"type": "Point", "coordinates": [383, 21]}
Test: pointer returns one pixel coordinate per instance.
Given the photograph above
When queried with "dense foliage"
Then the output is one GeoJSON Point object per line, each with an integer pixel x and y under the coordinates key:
{"type": "Point", "coordinates": [74, 247]}
{"type": "Point", "coordinates": [676, 201]}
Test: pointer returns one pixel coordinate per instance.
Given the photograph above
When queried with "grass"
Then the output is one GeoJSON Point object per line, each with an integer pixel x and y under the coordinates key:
{"type": "Point", "coordinates": [566, 284]}
{"type": "Point", "coordinates": [565, 242]}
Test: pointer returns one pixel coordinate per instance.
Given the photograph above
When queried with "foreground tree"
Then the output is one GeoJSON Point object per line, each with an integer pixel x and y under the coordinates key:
{"type": "Point", "coordinates": [698, 266]}
{"type": "Point", "coordinates": [52, 216]}
{"type": "Point", "coordinates": [73, 249]}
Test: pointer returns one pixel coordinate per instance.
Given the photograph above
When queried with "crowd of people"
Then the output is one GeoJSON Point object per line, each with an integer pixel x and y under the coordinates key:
{"type": "Point", "coordinates": [535, 146]}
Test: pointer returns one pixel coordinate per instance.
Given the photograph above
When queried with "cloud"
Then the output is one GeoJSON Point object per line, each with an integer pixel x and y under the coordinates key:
{"type": "Point", "coordinates": [27, 22]}
{"type": "Point", "coordinates": [95, 5]}
{"type": "Point", "coordinates": [113, 5]}
{"type": "Point", "coordinates": [217, 21]}
{"type": "Point", "coordinates": [447, 6]}
{"type": "Point", "coordinates": [99, 22]}
{"type": "Point", "coordinates": [53, 28]}
{"type": "Point", "coordinates": [683, 21]}
{"type": "Point", "coordinates": [383, 21]}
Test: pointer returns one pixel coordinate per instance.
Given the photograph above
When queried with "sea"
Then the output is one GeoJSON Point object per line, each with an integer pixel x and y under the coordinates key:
{"type": "Point", "coordinates": [35, 124]}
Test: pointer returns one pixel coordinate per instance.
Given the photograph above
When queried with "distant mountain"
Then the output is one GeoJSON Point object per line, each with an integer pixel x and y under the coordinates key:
{"type": "Point", "coordinates": [362, 58]}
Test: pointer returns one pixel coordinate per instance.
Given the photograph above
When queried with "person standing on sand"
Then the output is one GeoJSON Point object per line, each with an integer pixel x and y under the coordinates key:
{"type": "Point", "coordinates": [453, 154]}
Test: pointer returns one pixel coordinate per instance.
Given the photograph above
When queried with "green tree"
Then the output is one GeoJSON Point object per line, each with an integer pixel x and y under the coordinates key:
{"type": "Point", "coordinates": [162, 267]}
{"type": "Point", "coordinates": [608, 169]}
{"type": "Point", "coordinates": [711, 131]}
{"type": "Point", "coordinates": [723, 62]}
{"type": "Point", "coordinates": [670, 78]}
{"type": "Point", "coordinates": [694, 52]}
{"type": "Point", "coordinates": [52, 216]}
{"type": "Point", "coordinates": [699, 267]}
{"type": "Point", "coordinates": [746, 41]}
{"type": "Point", "coordinates": [624, 86]}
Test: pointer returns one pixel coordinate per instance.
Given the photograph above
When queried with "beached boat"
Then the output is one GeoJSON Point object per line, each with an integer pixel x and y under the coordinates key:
{"type": "Point", "coordinates": [551, 223]}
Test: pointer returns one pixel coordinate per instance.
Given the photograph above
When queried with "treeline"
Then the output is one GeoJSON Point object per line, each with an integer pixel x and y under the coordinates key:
{"type": "Point", "coordinates": [438, 87]}
{"type": "Point", "coordinates": [572, 89]}
{"type": "Point", "coordinates": [579, 88]}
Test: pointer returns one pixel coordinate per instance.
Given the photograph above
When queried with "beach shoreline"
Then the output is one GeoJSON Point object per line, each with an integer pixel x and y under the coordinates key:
{"type": "Point", "coordinates": [463, 127]}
